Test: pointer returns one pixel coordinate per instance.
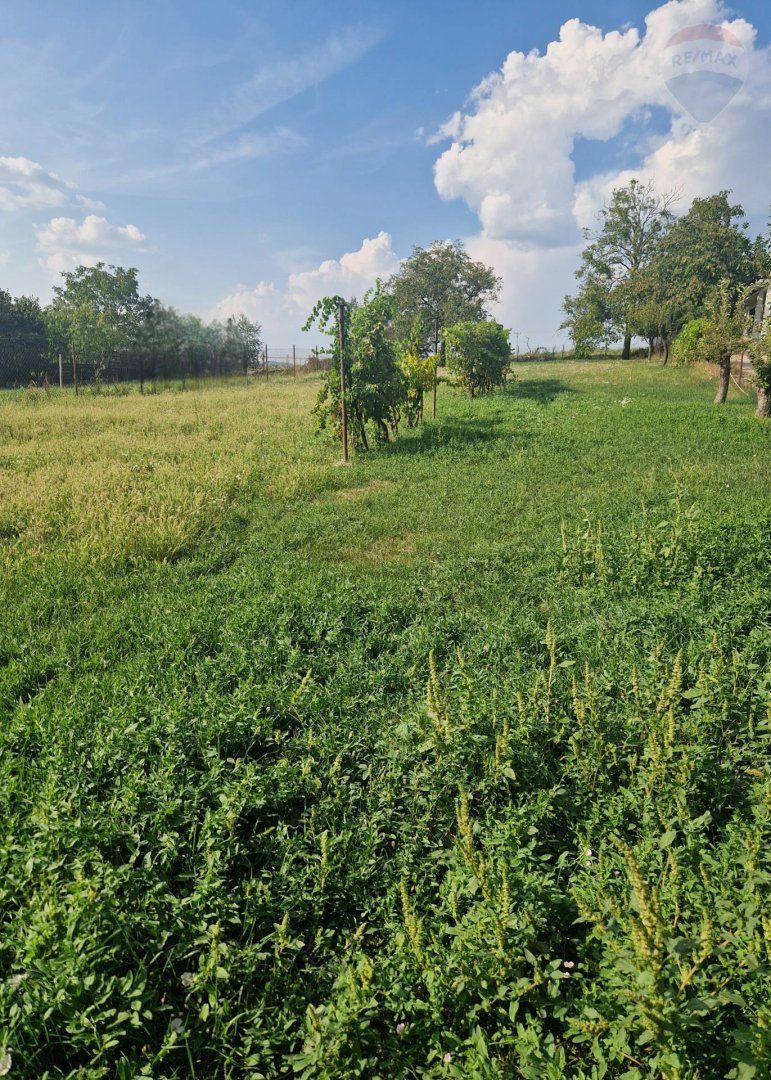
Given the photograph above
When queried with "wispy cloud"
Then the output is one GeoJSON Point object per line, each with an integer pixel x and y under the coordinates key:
{"type": "Point", "coordinates": [279, 81]}
{"type": "Point", "coordinates": [254, 145]}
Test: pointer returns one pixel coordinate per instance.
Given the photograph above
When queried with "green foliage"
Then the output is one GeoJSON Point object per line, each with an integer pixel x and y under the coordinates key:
{"type": "Point", "coordinates": [723, 328]}
{"type": "Point", "coordinates": [418, 374]}
{"type": "Point", "coordinates": [704, 247]}
{"type": "Point", "coordinates": [98, 316]}
{"type": "Point", "coordinates": [438, 286]}
{"type": "Point", "coordinates": [590, 317]}
{"type": "Point", "coordinates": [479, 353]}
{"type": "Point", "coordinates": [687, 345]}
{"type": "Point", "coordinates": [97, 308]}
{"type": "Point", "coordinates": [647, 273]}
{"type": "Point", "coordinates": [375, 388]}
{"type": "Point", "coordinates": [631, 225]}
{"type": "Point", "coordinates": [22, 333]}
{"type": "Point", "coordinates": [420, 791]}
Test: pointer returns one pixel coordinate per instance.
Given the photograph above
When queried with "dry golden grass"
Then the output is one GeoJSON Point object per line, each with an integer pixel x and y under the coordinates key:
{"type": "Point", "coordinates": [137, 477]}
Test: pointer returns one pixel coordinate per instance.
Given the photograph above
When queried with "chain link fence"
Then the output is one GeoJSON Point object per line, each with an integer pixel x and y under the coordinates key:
{"type": "Point", "coordinates": [22, 368]}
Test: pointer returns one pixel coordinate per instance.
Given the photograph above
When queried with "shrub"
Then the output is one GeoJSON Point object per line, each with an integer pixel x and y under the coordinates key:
{"type": "Point", "coordinates": [479, 354]}
{"type": "Point", "coordinates": [685, 347]}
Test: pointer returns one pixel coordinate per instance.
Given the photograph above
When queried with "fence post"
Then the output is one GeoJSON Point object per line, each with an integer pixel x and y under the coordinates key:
{"type": "Point", "coordinates": [436, 367]}
{"type": "Point", "coordinates": [266, 363]}
{"type": "Point", "coordinates": [75, 371]}
{"type": "Point", "coordinates": [61, 372]}
{"type": "Point", "coordinates": [343, 415]}
{"type": "Point", "coordinates": [294, 361]}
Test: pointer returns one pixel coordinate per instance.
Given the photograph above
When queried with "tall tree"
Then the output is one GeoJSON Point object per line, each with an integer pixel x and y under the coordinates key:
{"type": "Point", "coordinates": [704, 247]}
{"type": "Point", "coordinates": [441, 285]}
{"type": "Point", "coordinates": [630, 227]}
{"type": "Point", "coordinates": [98, 309]}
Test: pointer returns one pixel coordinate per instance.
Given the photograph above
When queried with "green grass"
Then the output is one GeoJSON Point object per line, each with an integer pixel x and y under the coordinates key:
{"type": "Point", "coordinates": [239, 837]}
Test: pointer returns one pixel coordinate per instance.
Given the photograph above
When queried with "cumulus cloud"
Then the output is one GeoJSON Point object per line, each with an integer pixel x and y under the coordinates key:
{"type": "Point", "coordinates": [25, 184]}
{"type": "Point", "coordinates": [64, 242]}
{"type": "Point", "coordinates": [283, 310]}
{"type": "Point", "coordinates": [510, 157]}
{"type": "Point", "coordinates": [510, 154]}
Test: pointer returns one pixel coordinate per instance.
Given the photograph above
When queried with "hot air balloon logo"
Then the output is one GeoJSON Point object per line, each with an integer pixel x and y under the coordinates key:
{"type": "Point", "coordinates": [705, 67]}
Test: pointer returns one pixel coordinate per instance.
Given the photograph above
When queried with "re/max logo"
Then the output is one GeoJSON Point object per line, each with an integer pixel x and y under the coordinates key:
{"type": "Point", "coordinates": [714, 57]}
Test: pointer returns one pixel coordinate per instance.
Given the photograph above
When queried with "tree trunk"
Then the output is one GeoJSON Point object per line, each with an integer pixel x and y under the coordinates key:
{"type": "Point", "coordinates": [665, 361]}
{"type": "Point", "coordinates": [722, 386]}
{"type": "Point", "coordinates": [763, 411]}
{"type": "Point", "coordinates": [626, 352]}
{"type": "Point", "coordinates": [650, 348]}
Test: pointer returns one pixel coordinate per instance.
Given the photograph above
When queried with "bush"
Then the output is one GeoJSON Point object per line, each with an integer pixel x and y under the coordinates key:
{"type": "Point", "coordinates": [479, 354]}
{"type": "Point", "coordinates": [685, 347]}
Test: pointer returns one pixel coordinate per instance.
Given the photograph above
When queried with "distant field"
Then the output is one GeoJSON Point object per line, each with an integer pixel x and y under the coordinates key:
{"type": "Point", "coordinates": [240, 838]}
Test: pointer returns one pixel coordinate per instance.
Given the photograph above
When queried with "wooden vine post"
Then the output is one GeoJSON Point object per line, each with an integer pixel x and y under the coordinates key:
{"type": "Point", "coordinates": [341, 342]}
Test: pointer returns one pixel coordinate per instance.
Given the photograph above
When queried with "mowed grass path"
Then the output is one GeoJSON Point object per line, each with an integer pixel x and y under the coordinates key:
{"type": "Point", "coordinates": [214, 648]}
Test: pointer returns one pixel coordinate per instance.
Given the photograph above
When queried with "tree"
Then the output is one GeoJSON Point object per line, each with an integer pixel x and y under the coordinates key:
{"type": "Point", "coordinates": [479, 353]}
{"type": "Point", "coordinates": [702, 249]}
{"type": "Point", "coordinates": [374, 386]}
{"type": "Point", "coordinates": [630, 227]}
{"type": "Point", "coordinates": [243, 342]}
{"type": "Point", "coordinates": [723, 333]}
{"type": "Point", "coordinates": [442, 285]}
{"type": "Point", "coordinates": [23, 337]}
{"type": "Point", "coordinates": [97, 309]}
{"type": "Point", "coordinates": [589, 317]}
{"type": "Point", "coordinates": [655, 311]}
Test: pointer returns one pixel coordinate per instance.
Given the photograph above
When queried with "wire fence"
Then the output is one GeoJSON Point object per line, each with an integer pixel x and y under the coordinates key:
{"type": "Point", "coordinates": [19, 369]}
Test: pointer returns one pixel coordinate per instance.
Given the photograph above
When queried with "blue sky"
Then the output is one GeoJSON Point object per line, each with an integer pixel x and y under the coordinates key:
{"type": "Point", "coordinates": [235, 151]}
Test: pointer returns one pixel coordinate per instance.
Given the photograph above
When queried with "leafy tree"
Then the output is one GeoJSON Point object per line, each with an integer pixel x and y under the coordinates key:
{"type": "Point", "coordinates": [442, 285]}
{"type": "Point", "coordinates": [630, 227]}
{"type": "Point", "coordinates": [656, 311]}
{"type": "Point", "coordinates": [723, 334]}
{"type": "Point", "coordinates": [23, 336]}
{"type": "Point", "coordinates": [243, 342]}
{"type": "Point", "coordinates": [479, 353]}
{"type": "Point", "coordinates": [703, 248]}
{"type": "Point", "coordinates": [590, 317]}
{"type": "Point", "coordinates": [97, 309]}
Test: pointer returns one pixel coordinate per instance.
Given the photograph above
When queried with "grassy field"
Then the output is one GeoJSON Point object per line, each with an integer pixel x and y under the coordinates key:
{"type": "Point", "coordinates": [453, 762]}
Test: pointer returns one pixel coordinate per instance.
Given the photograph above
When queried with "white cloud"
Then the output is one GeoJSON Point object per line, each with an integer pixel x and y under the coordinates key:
{"type": "Point", "coordinates": [283, 310]}
{"type": "Point", "coordinates": [510, 158]}
{"type": "Point", "coordinates": [26, 185]}
{"type": "Point", "coordinates": [534, 282]}
{"type": "Point", "coordinates": [64, 243]}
